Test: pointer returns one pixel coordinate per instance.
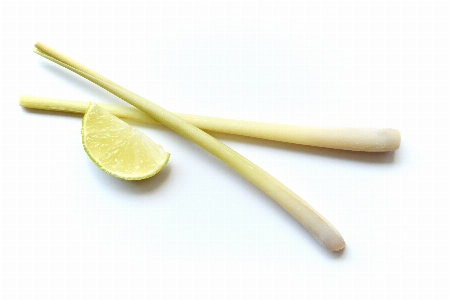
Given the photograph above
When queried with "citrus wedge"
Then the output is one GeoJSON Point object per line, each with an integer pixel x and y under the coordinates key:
{"type": "Point", "coordinates": [119, 149]}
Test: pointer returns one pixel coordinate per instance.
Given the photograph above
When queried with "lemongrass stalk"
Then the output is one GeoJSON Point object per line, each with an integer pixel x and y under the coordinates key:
{"type": "Point", "coordinates": [355, 139]}
{"type": "Point", "coordinates": [317, 225]}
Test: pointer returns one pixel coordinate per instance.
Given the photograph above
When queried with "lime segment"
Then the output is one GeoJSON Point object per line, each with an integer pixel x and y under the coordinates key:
{"type": "Point", "coordinates": [119, 149]}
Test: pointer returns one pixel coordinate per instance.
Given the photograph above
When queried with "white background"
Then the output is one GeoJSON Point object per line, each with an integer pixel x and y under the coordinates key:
{"type": "Point", "coordinates": [198, 230]}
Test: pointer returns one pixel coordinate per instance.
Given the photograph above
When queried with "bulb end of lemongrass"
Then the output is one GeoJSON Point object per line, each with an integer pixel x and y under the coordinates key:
{"type": "Point", "coordinates": [354, 139]}
{"type": "Point", "coordinates": [328, 236]}
{"type": "Point", "coordinates": [334, 243]}
{"type": "Point", "coordinates": [376, 140]}
{"type": "Point", "coordinates": [389, 139]}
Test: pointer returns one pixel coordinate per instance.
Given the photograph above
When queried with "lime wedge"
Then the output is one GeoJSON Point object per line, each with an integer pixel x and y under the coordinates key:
{"type": "Point", "coordinates": [119, 149]}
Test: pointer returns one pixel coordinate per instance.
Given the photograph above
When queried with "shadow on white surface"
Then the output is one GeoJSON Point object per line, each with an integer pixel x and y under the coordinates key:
{"type": "Point", "coordinates": [131, 187]}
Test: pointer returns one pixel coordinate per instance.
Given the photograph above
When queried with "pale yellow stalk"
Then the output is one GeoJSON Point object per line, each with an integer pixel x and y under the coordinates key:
{"type": "Point", "coordinates": [355, 139]}
{"type": "Point", "coordinates": [317, 225]}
